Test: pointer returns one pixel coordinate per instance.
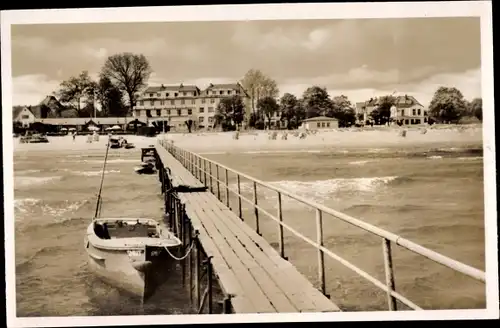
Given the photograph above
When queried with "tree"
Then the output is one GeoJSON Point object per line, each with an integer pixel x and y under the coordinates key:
{"type": "Point", "coordinates": [189, 124]}
{"type": "Point", "coordinates": [447, 105]}
{"type": "Point", "coordinates": [109, 96]}
{"type": "Point", "coordinates": [258, 85]}
{"type": "Point", "coordinates": [289, 107]}
{"type": "Point", "coordinates": [268, 106]}
{"type": "Point", "coordinates": [382, 113]}
{"type": "Point", "coordinates": [316, 101]}
{"type": "Point", "coordinates": [74, 90]}
{"type": "Point", "coordinates": [129, 72]}
{"type": "Point", "coordinates": [230, 112]}
{"type": "Point", "coordinates": [476, 108]}
{"type": "Point", "coordinates": [342, 110]}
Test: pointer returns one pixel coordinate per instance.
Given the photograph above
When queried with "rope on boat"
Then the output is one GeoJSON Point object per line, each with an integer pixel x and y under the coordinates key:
{"type": "Point", "coordinates": [203, 299]}
{"type": "Point", "coordinates": [182, 257]}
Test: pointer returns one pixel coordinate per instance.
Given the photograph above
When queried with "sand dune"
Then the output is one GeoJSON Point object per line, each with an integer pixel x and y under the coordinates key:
{"type": "Point", "coordinates": [259, 140]}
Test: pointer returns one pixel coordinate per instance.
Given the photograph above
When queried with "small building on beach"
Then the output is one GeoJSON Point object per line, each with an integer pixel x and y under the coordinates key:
{"type": "Point", "coordinates": [23, 115]}
{"type": "Point", "coordinates": [320, 122]}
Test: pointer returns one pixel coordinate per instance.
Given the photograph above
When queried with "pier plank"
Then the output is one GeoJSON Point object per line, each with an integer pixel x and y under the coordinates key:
{"type": "Point", "coordinates": [248, 267]}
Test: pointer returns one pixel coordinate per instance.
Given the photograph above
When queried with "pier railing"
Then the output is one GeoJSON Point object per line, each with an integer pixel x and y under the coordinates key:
{"type": "Point", "coordinates": [202, 169]}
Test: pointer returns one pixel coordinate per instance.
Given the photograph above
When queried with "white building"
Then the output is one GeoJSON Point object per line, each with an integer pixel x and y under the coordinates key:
{"type": "Point", "coordinates": [24, 116]}
{"type": "Point", "coordinates": [320, 122]}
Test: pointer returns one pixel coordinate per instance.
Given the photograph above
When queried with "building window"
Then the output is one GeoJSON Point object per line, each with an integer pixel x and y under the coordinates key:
{"type": "Point", "coordinates": [168, 112]}
{"type": "Point", "coordinates": [166, 94]}
{"type": "Point", "coordinates": [184, 94]}
{"type": "Point", "coordinates": [412, 121]}
{"type": "Point", "coordinates": [425, 113]}
{"type": "Point", "coordinates": [152, 102]}
{"type": "Point", "coordinates": [158, 112]}
{"type": "Point", "coordinates": [148, 113]}
{"type": "Point", "coordinates": [406, 121]}
{"type": "Point", "coordinates": [141, 102]}
{"type": "Point", "coordinates": [202, 110]}
{"type": "Point", "coordinates": [419, 112]}
{"type": "Point", "coordinates": [425, 119]}
{"type": "Point", "coordinates": [212, 101]}
{"type": "Point", "coordinates": [201, 119]}
{"type": "Point", "coordinates": [328, 124]}
{"type": "Point", "coordinates": [221, 92]}
{"type": "Point", "coordinates": [193, 101]}
{"type": "Point", "coordinates": [175, 94]}
{"type": "Point", "coordinates": [402, 112]}
{"type": "Point", "coordinates": [25, 117]}
{"type": "Point", "coordinates": [179, 112]}
{"type": "Point", "coordinates": [417, 121]}
{"type": "Point", "coordinates": [182, 102]}
{"type": "Point", "coordinates": [151, 95]}
{"type": "Point", "coordinates": [210, 109]}
{"type": "Point", "coordinates": [228, 92]}
{"type": "Point", "coordinates": [318, 124]}
{"type": "Point", "coordinates": [414, 112]}
{"type": "Point", "coordinates": [202, 100]}
{"type": "Point", "coordinates": [190, 111]}
{"type": "Point", "coordinates": [210, 120]}
{"type": "Point", "coordinates": [172, 102]}
{"type": "Point", "coordinates": [158, 94]}
{"type": "Point", "coordinates": [161, 103]}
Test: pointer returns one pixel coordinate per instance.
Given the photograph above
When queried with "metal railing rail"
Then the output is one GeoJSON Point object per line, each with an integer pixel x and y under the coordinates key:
{"type": "Point", "coordinates": [197, 165]}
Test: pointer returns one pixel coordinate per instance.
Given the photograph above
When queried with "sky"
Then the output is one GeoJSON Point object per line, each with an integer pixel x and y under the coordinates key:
{"type": "Point", "coordinates": [359, 58]}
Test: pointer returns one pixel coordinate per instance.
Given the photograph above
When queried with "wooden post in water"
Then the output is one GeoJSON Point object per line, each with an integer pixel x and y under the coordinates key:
{"type": "Point", "coordinates": [321, 255]}
{"type": "Point", "coordinates": [197, 272]}
{"type": "Point", "coordinates": [209, 283]}
{"type": "Point", "coordinates": [389, 274]}
{"type": "Point", "coordinates": [190, 232]}
{"type": "Point", "coordinates": [280, 218]}
{"type": "Point", "coordinates": [238, 183]}
{"type": "Point", "coordinates": [256, 210]}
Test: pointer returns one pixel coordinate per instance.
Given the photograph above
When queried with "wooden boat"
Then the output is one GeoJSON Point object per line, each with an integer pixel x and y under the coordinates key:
{"type": "Point", "coordinates": [145, 168]}
{"type": "Point", "coordinates": [114, 143]}
{"type": "Point", "coordinates": [129, 253]}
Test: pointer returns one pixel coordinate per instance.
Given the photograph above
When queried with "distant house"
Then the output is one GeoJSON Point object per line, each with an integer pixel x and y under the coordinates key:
{"type": "Point", "coordinates": [409, 111]}
{"type": "Point", "coordinates": [320, 122]}
{"type": "Point", "coordinates": [23, 115]}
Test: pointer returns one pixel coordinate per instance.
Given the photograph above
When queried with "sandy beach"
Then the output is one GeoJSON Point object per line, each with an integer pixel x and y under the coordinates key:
{"type": "Point", "coordinates": [206, 142]}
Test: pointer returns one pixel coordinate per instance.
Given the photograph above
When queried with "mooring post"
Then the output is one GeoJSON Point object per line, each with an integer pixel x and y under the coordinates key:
{"type": "Point", "coordinates": [197, 271]}
{"type": "Point", "coordinates": [226, 305]}
{"type": "Point", "coordinates": [208, 263]}
{"type": "Point", "coordinates": [255, 209]}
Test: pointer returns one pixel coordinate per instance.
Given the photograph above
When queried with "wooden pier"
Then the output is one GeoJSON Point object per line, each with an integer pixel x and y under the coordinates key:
{"type": "Point", "coordinates": [253, 277]}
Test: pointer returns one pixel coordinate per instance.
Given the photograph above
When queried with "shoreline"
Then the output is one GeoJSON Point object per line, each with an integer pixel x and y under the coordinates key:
{"type": "Point", "coordinates": [259, 141]}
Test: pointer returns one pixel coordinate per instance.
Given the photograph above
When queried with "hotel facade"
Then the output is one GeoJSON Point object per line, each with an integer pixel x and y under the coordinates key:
{"type": "Point", "coordinates": [179, 103]}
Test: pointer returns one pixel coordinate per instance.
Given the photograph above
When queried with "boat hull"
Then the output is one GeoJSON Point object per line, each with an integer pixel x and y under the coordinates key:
{"type": "Point", "coordinates": [139, 276]}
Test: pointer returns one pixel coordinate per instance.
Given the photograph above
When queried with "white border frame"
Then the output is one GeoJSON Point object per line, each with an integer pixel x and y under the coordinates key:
{"type": "Point", "coordinates": [482, 9]}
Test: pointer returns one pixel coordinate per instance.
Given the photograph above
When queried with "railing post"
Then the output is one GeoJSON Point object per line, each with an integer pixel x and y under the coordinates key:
{"type": "Point", "coordinates": [238, 183]}
{"type": "Point", "coordinates": [256, 210]}
{"type": "Point", "coordinates": [389, 274]}
{"type": "Point", "coordinates": [218, 180]}
{"type": "Point", "coordinates": [199, 167]}
{"type": "Point", "coordinates": [226, 178]}
{"type": "Point", "coordinates": [210, 177]}
{"type": "Point", "coordinates": [205, 172]}
{"type": "Point", "coordinates": [280, 217]}
{"type": "Point", "coordinates": [321, 255]}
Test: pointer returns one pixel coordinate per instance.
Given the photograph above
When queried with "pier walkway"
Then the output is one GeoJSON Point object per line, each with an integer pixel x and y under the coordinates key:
{"type": "Point", "coordinates": [253, 276]}
{"type": "Point", "coordinates": [249, 271]}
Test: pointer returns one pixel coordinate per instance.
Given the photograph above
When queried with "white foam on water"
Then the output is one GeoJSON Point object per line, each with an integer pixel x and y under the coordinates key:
{"type": "Point", "coordinates": [471, 158]}
{"type": "Point", "coordinates": [434, 157]}
{"type": "Point", "coordinates": [24, 181]}
{"type": "Point", "coordinates": [23, 172]}
{"type": "Point", "coordinates": [66, 207]}
{"type": "Point", "coordinates": [118, 160]}
{"type": "Point", "coordinates": [359, 162]}
{"type": "Point", "coordinates": [94, 173]}
{"type": "Point", "coordinates": [23, 205]}
{"type": "Point", "coordinates": [281, 151]}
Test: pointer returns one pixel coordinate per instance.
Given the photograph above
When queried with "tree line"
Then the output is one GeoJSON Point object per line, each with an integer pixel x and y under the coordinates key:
{"type": "Point", "coordinates": [125, 74]}
{"type": "Point", "coordinates": [120, 78]}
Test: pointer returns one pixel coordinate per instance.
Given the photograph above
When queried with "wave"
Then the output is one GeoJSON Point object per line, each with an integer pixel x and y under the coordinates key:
{"type": "Point", "coordinates": [321, 190]}
{"type": "Point", "coordinates": [434, 157]}
{"type": "Point", "coordinates": [24, 172]}
{"type": "Point", "coordinates": [25, 181]}
{"type": "Point", "coordinates": [281, 151]}
{"type": "Point", "coordinates": [23, 205]}
{"type": "Point", "coordinates": [471, 158]}
{"type": "Point", "coordinates": [118, 160]}
{"type": "Point", "coordinates": [360, 162]}
{"type": "Point", "coordinates": [49, 250]}
{"type": "Point", "coordinates": [93, 173]}
{"type": "Point", "coordinates": [214, 153]}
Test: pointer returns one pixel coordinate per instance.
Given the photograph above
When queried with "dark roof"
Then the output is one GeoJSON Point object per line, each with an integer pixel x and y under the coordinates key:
{"type": "Point", "coordinates": [16, 110]}
{"type": "Point", "coordinates": [179, 88]}
{"type": "Point", "coordinates": [225, 86]}
{"type": "Point", "coordinates": [406, 100]}
{"type": "Point", "coordinates": [320, 118]}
